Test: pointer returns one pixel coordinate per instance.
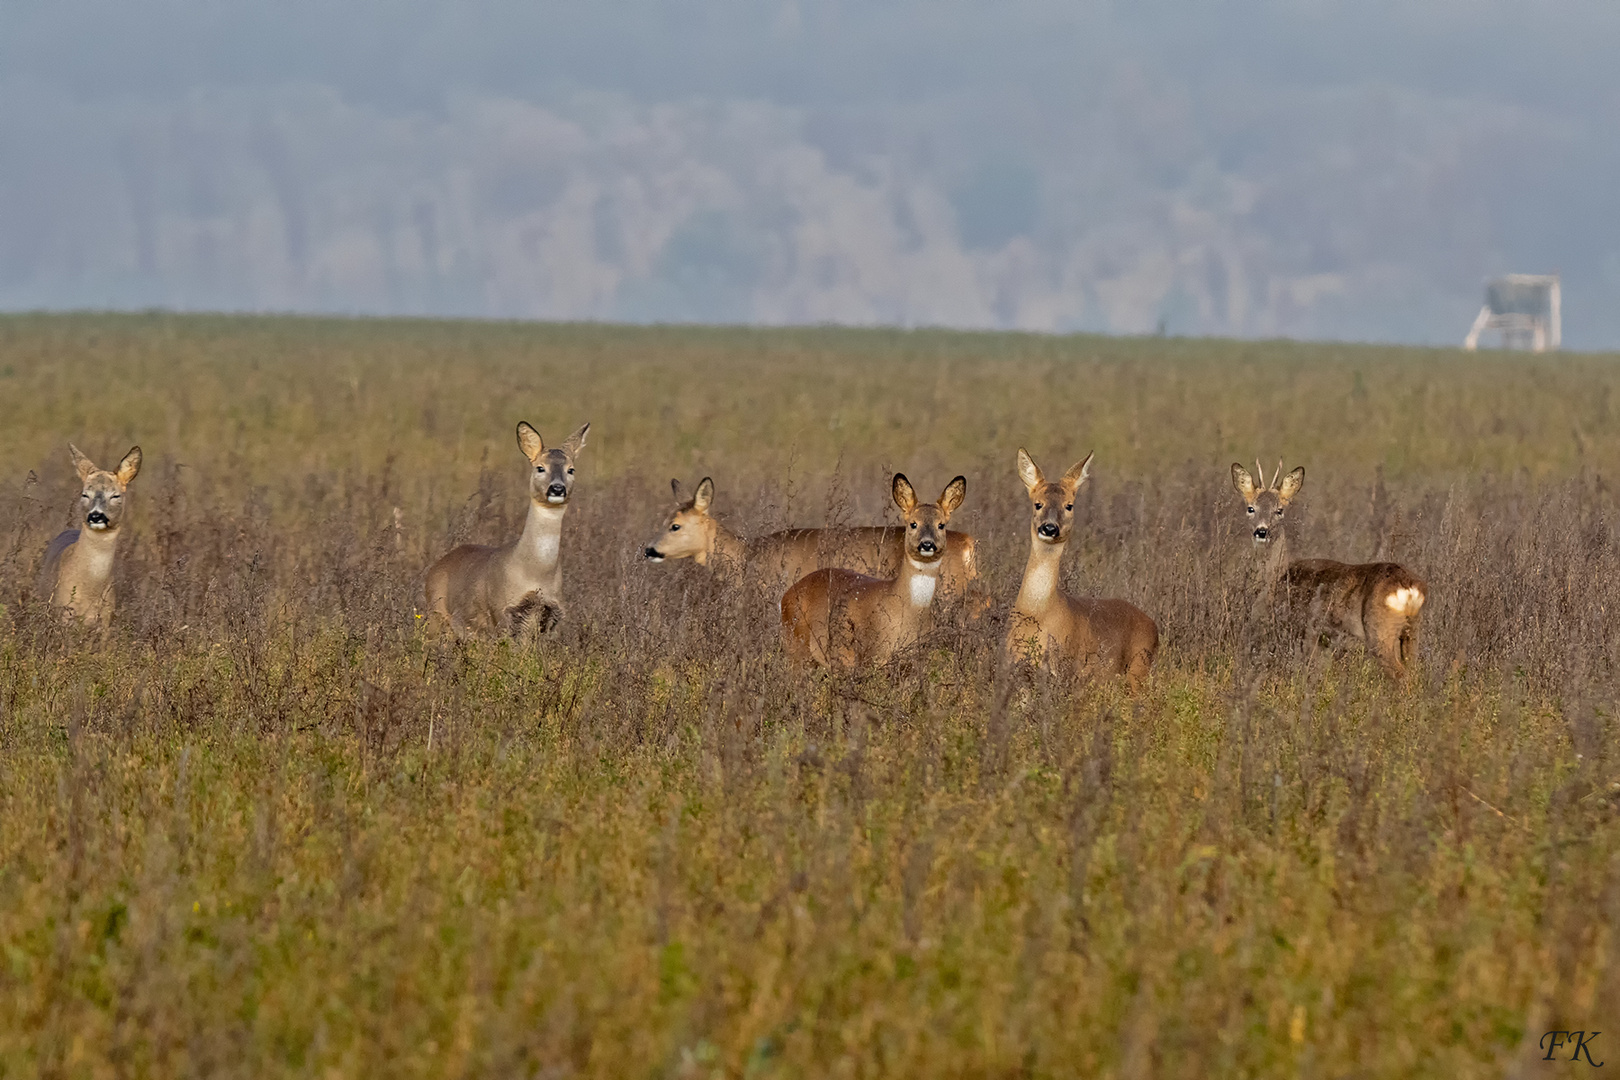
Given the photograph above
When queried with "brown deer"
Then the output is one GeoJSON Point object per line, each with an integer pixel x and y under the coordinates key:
{"type": "Point", "coordinates": [504, 589]}
{"type": "Point", "coordinates": [782, 558]}
{"type": "Point", "coordinates": [1376, 603]}
{"type": "Point", "coordinates": [77, 577]}
{"type": "Point", "coordinates": [1066, 634]}
{"type": "Point", "coordinates": [839, 617]}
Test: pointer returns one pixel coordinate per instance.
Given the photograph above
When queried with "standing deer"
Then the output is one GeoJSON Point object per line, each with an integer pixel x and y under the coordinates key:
{"type": "Point", "coordinates": [1069, 635]}
{"type": "Point", "coordinates": [78, 573]}
{"type": "Point", "coordinates": [782, 558]}
{"type": "Point", "coordinates": [1376, 603]}
{"type": "Point", "coordinates": [502, 589]}
{"type": "Point", "coordinates": [839, 617]}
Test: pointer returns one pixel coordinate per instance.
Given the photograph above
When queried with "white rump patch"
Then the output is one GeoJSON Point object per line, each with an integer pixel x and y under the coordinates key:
{"type": "Point", "coordinates": [922, 589]}
{"type": "Point", "coordinates": [1407, 599]}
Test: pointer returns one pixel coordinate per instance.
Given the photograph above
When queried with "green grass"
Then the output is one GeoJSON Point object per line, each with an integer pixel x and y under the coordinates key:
{"type": "Point", "coordinates": [268, 826]}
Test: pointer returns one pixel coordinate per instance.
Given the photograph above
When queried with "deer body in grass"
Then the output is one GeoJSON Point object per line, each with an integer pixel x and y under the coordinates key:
{"type": "Point", "coordinates": [77, 577]}
{"type": "Point", "coordinates": [1377, 603]}
{"type": "Point", "coordinates": [782, 558]}
{"type": "Point", "coordinates": [479, 589]}
{"type": "Point", "coordinates": [837, 617]}
{"type": "Point", "coordinates": [1066, 634]}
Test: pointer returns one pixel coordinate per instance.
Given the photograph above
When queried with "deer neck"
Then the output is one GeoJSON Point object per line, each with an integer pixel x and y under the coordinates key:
{"type": "Point", "coordinates": [725, 550]}
{"type": "Point", "coordinates": [1040, 577]}
{"type": "Point", "coordinates": [538, 547]}
{"type": "Point", "coordinates": [917, 583]}
{"type": "Point", "coordinates": [1273, 560]}
{"type": "Point", "coordinates": [95, 550]}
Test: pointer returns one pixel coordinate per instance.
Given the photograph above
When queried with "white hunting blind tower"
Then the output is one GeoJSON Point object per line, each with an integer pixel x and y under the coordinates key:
{"type": "Point", "coordinates": [1527, 308]}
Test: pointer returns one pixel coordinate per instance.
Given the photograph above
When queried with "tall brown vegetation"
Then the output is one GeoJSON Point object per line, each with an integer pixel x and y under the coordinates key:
{"type": "Point", "coordinates": [269, 826]}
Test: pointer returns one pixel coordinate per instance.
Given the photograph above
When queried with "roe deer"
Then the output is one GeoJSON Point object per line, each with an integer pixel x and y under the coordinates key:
{"type": "Point", "coordinates": [502, 589]}
{"type": "Point", "coordinates": [782, 558]}
{"type": "Point", "coordinates": [838, 617]}
{"type": "Point", "coordinates": [1377, 603]}
{"type": "Point", "coordinates": [1069, 635]}
{"type": "Point", "coordinates": [78, 573]}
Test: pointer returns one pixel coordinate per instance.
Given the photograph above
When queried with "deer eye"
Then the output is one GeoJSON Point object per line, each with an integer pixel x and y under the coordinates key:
{"type": "Point", "coordinates": [913, 524]}
{"type": "Point", "coordinates": [1039, 506]}
{"type": "Point", "coordinates": [570, 472]}
{"type": "Point", "coordinates": [1279, 511]}
{"type": "Point", "coordinates": [1068, 506]}
{"type": "Point", "coordinates": [114, 498]}
{"type": "Point", "coordinates": [1251, 510]}
{"type": "Point", "coordinates": [675, 526]}
{"type": "Point", "coordinates": [539, 468]}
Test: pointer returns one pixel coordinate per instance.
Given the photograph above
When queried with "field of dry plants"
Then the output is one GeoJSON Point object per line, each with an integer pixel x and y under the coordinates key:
{"type": "Point", "coordinates": [268, 826]}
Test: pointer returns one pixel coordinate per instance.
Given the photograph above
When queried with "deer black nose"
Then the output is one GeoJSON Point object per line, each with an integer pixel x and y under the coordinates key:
{"type": "Point", "coordinates": [1047, 529]}
{"type": "Point", "coordinates": [556, 491]}
{"type": "Point", "coordinates": [96, 517]}
{"type": "Point", "coordinates": [926, 547]}
{"type": "Point", "coordinates": [1261, 533]}
{"type": "Point", "coordinates": [652, 553]}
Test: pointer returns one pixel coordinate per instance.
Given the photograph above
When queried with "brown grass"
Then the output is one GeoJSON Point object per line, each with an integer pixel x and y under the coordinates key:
{"type": "Point", "coordinates": [267, 826]}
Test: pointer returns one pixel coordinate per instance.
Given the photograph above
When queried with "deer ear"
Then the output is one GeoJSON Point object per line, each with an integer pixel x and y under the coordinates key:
{"type": "Point", "coordinates": [529, 441]}
{"type": "Point", "coordinates": [129, 466]}
{"type": "Point", "coordinates": [952, 496]}
{"type": "Point", "coordinates": [83, 464]}
{"type": "Point", "coordinates": [904, 497]}
{"type": "Point", "coordinates": [576, 442]}
{"type": "Point", "coordinates": [675, 489]}
{"type": "Point", "coordinates": [1291, 484]}
{"type": "Point", "coordinates": [1028, 471]}
{"type": "Point", "coordinates": [704, 496]}
{"type": "Point", "coordinates": [1078, 473]}
{"type": "Point", "coordinates": [1243, 482]}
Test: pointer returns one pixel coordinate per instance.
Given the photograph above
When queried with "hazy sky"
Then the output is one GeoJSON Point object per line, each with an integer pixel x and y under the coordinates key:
{"type": "Point", "coordinates": [1311, 169]}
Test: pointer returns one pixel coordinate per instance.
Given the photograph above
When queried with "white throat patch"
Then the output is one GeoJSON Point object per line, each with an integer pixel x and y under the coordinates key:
{"type": "Point", "coordinates": [1039, 582]}
{"type": "Point", "coordinates": [922, 589]}
{"type": "Point", "coordinates": [546, 545]}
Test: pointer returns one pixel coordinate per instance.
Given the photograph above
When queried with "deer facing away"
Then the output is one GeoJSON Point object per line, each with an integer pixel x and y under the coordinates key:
{"type": "Point", "coordinates": [504, 589]}
{"type": "Point", "coordinates": [1376, 603]}
{"type": "Point", "coordinates": [782, 558]}
{"type": "Point", "coordinates": [838, 617]}
{"type": "Point", "coordinates": [78, 573]}
{"type": "Point", "coordinates": [1070, 635]}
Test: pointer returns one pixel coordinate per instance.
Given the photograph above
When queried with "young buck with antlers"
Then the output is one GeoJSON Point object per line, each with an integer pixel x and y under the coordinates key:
{"type": "Point", "coordinates": [503, 589]}
{"type": "Point", "coordinates": [782, 558]}
{"type": "Point", "coordinates": [839, 617]}
{"type": "Point", "coordinates": [1070, 635]}
{"type": "Point", "coordinates": [1377, 603]}
{"type": "Point", "coordinates": [77, 577]}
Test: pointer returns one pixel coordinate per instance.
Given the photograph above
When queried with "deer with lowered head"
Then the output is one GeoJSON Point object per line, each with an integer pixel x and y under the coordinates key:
{"type": "Point", "coordinates": [782, 558]}
{"type": "Point", "coordinates": [1375, 603]}
{"type": "Point", "coordinates": [1066, 634]}
{"type": "Point", "coordinates": [503, 589]}
{"type": "Point", "coordinates": [77, 577]}
{"type": "Point", "coordinates": [837, 617]}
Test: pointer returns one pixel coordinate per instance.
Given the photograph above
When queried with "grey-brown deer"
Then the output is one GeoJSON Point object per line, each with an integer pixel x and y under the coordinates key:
{"type": "Point", "coordinates": [837, 617]}
{"type": "Point", "coordinates": [503, 590]}
{"type": "Point", "coordinates": [779, 559]}
{"type": "Point", "coordinates": [77, 577]}
{"type": "Point", "coordinates": [1066, 634]}
{"type": "Point", "coordinates": [1376, 603]}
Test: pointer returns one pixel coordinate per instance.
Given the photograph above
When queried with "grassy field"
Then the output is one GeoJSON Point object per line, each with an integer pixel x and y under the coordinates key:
{"type": "Point", "coordinates": [268, 826]}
